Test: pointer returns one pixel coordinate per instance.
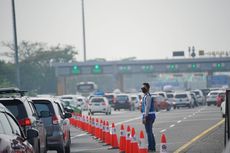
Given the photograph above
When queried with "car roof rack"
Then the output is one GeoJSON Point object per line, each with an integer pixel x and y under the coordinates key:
{"type": "Point", "coordinates": [12, 90]}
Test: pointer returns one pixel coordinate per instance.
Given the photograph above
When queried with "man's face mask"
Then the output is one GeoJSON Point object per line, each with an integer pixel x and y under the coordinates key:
{"type": "Point", "coordinates": [143, 89]}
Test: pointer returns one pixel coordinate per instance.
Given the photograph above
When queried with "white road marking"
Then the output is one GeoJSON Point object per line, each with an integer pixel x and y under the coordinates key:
{"type": "Point", "coordinates": [172, 125]}
{"type": "Point", "coordinates": [190, 116]}
{"type": "Point", "coordinates": [185, 118]}
{"type": "Point", "coordinates": [162, 130]}
{"type": "Point", "coordinates": [179, 121]}
{"type": "Point", "coordinates": [79, 135]}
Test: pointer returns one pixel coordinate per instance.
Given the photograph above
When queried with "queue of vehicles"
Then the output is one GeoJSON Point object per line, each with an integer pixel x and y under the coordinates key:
{"type": "Point", "coordinates": [32, 125]}
{"type": "Point", "coordinates": [42, 122]}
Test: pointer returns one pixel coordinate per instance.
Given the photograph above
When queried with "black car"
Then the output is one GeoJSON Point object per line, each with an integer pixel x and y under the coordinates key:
{"type": "Point", "coordinates": [12, 138]}
{"type": "Point", "coordinates": [24, 111]}
{"type": "Point", "coordinates": [123, 101]}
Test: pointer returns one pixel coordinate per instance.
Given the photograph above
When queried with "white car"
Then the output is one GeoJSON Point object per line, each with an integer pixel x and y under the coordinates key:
{"type": "Point", "coordinates": [212, 96]}
{"type": "Point", "coordinates": [222, 107]}
{"type": "Point", "coordinates": [73, 98]}
{"type": "Point", "coordinates": [83, 102]}
{"type": "Point", "coordinates": [200, 96]}
{"type": "Point", "coordinates": [99, 104]}
{"type": "Point", "coordinates": [183, 99]}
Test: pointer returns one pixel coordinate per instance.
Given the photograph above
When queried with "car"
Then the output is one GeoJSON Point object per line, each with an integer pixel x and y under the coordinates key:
{"type": "Point", "coordinates": [56, 123]}
{"type": "Point", "coordinates": [12, 137]}
{"type": "Point", "coordinates": [222, 108]}
{"type": "Point", "coordinates": [200, 96]}
{"type": "Point", "coordinates": [70, 106]}
{"type": "Point", "coordinates": [220, 98]}
{"type": "Point", "coordinates": [134, 99]}
{"type": "Point", "coordinates": [212, 96]}
{"type": "Point", "coordinates": [83, 101]}
{"type": "Point", "coordinates": [99, 104]}
{"type": "Point", "coordinates": [23, 109]}
{"type": "Point", "coordinates": [123, 101]}
{"type": "Point", "coordinates": [195, 99]}
{"type": "Point", "coordinates": [161, 103]}
{"type": "Point", "coordinates": [73, 98]}
{"type": "Point", "coordinates": [183, 99]}
{"type": "Point", "coordinates": [111, 97]}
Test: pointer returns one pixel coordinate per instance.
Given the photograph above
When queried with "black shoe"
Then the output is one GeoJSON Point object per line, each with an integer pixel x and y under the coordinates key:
{"type": "Point", "coordinates": [151, 150]}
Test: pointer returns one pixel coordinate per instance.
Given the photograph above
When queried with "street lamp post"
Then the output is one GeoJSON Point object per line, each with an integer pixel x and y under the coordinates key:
{"type": "Point", "coordinates": [83, 28]}
{"type": "Point", "coordinates": [16, 45]}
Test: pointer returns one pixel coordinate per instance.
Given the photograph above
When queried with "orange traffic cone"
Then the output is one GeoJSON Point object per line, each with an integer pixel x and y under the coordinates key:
{"type": "Point", "coordinates": [103, 132]}
{"type": "Point", "coordinates": [163, 144]}
{"type": "Point", "coordinates": [142, 145]}
{"type": "Point", "coordinates": [107, 134]}
{"type": "Point", "coordinates": [113, 137]}
{"type": "Point", "coordinates": [128, 140]}
{"type": "Point", "coordinates": [96, 128]}
{"type": "Point", "coordinates": [133, 144]}
{"type": "Point", "coordinates": [122, 139]}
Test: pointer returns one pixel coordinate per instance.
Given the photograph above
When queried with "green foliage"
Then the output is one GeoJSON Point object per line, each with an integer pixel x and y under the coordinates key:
{"type": "Point", "coordinates": [36, 65]}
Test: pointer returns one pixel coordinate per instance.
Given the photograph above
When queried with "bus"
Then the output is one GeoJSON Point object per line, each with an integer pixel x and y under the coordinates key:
{"type": "Point", "coordinates": [86, 88]}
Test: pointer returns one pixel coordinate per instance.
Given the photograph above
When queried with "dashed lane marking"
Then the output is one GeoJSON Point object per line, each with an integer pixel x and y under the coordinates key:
{"type": "Point", "coordinates": [172, 125]}
{"type": "Point", "coordinates": [162, 130]}
{"type": "Point", "coordinates": [179, 121]}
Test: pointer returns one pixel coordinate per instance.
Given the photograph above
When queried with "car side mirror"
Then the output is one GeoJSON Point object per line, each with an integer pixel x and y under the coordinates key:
{"type": "Point", "coordinates": [68, 115]}
{"type": "Point", "coordinates": [31, 133]}
{"type": "Point", "coordinates": [44, 114]}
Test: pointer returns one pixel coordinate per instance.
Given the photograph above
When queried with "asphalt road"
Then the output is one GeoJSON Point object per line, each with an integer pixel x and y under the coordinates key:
{"type": "Point", "coordinates": [179, 126]}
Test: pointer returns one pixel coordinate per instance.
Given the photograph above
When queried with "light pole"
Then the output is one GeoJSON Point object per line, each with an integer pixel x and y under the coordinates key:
{"type": "Point", "coordinates": [16, 45]}
{"type": "Point", "coordinates": [83, 28]}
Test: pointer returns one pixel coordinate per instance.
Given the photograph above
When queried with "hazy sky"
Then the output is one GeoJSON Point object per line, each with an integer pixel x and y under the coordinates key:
{"type": "Point", "coordinates": [115, 29]}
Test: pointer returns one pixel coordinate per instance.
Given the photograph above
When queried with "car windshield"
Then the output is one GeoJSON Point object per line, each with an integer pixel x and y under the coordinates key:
{"type": "Point", "coordinates": [170, 95]}
{"type": "Point", "coordinates": [214, 93]}
{"type": "Point", "coordinates": [122, 98]}
{"type": "Point", "coordinates": [97, 100]}
{"type": "Point", "coordinates": [181, 96]}
{"type": "Point", "coordinates": [197, 93]}
{"type": "Point", "coordinates": [16, 107]}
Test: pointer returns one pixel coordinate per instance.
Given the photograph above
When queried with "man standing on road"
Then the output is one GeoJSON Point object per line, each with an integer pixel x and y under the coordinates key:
{"type": "Point", "coordinates": [149, 116]}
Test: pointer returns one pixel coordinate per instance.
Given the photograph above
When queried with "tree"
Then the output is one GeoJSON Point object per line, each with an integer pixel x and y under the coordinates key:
{"type": "Point", "coordinates": [36, 64]}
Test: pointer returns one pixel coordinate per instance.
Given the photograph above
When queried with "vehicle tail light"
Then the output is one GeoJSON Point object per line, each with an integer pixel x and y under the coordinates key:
{"type": "Point", "coordinates": [25, 122]}
{"type": "Point", "coordinates": [103, 103]}
{"type": "Point", "coordinates": [55, 119]}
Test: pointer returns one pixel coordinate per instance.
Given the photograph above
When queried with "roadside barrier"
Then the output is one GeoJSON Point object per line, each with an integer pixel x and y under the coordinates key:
{"type": "Point", "coordinates": [133, 144]}
{"type": "Point", "coordinates": [142, 147]}
{"type": "Point", "coordinates": [163, 144]}
{"type": "Point", "coordinates": [122, 141]}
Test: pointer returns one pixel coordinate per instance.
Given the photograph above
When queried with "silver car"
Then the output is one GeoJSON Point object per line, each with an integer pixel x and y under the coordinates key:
{"type": "Point", "coordinates": [183, 99]}
{"type": "Point", "coordinates": [99, 104]}
{"type": "Point", "coordinates": [56, 123]}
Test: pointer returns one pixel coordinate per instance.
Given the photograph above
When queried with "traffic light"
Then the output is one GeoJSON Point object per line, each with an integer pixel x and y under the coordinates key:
{"type": "Point", "coordinates": [97, 69]}
{"type": "Point", "coordinates": [172, 67]}
{"type": "Point", "coordinates": [147, 68]}
{"type": "Point", "coordinates": [124, 68]}
{"type": "Point", "coordinates": [75, 69]}
{"type": "Point", "coordinates": [218, 65]}
{"type": "Point", "coordinates": [193, 66]}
